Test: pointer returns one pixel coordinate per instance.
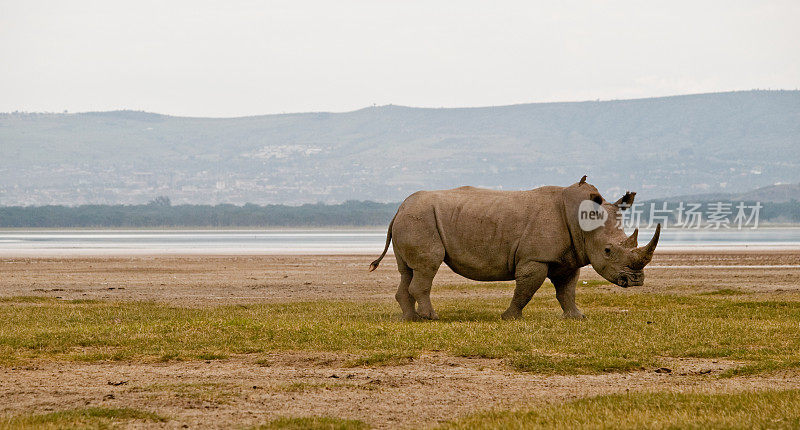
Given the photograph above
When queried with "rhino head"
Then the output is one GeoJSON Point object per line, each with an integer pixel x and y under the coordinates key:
{"type": "Point", "coordinates": [614, 255]}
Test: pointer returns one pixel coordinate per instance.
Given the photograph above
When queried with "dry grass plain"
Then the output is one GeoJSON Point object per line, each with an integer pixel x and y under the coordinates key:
{"type": "Point", "coordinates": [316, 342]}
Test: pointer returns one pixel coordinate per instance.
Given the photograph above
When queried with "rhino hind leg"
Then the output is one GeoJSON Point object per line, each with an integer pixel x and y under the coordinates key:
{"type": "Point", "coordinates": [403, 296]}
{"type": "Point", "coordinates": [418, 248]}
{"type": "Point", "coordinates": [565, 293]}
{"type": "Point", "coordinates": [529, 278]}
{"type": "Point", "coordinates": [420, 289]}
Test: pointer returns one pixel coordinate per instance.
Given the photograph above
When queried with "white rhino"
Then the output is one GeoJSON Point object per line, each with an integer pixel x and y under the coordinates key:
{"type": "Point", "coordinates": [489, 235]}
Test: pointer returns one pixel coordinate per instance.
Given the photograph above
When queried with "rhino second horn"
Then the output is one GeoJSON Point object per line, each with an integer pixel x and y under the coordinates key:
{"type": "Point", "coordinates": [632, 240]}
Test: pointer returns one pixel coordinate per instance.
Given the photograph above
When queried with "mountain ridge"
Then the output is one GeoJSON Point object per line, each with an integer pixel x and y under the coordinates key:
{"type": "Point", "coordinates": [666, 146]}
{"type": "Point", "coordinates": [393, 105]}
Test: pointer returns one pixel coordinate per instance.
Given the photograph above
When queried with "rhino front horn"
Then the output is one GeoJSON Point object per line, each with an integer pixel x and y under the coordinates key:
{"type": "Point", "coordinates": [646, 252]}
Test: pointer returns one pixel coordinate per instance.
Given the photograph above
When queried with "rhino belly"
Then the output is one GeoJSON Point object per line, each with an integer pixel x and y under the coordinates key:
{"type": "Point", "coordinates": [486, 269]}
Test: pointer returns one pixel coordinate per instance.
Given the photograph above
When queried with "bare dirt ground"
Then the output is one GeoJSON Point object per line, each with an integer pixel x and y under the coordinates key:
{"type": "Point", "coordinates": [430, 389]}
{"type": "Point", "coordinates": [207, 280]}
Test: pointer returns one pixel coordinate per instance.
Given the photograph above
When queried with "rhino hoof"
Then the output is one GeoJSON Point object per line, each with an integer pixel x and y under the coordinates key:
{"type": "Point", "coordinates": [431, 316]}
{"type": "Point", "coordinates": [574, 316]}
{"type": "Point", "coordinates": [413, 317]}
{"type": "Point", "coordinates": [511, 315]}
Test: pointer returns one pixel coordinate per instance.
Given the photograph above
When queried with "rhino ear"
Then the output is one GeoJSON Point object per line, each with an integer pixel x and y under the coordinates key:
{"type": "Point", "coordinates": [597, 198]}
{"type": "Point", "coordinates": [625, 201]}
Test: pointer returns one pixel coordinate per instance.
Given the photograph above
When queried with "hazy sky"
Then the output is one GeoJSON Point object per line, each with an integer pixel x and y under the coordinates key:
{"type": "Point", "coordinates": [230, 58]}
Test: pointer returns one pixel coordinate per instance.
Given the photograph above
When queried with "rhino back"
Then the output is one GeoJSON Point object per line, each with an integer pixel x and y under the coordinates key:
{"type": "Point", "coordinates": [485, 233]}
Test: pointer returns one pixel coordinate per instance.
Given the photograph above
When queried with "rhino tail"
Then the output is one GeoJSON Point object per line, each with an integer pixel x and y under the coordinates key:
{"type": "Point", "coordinates": [374, 264]}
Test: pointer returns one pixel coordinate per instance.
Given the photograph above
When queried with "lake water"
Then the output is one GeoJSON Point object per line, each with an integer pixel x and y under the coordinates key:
{"type": "Point", "coordinates": [318, 241]}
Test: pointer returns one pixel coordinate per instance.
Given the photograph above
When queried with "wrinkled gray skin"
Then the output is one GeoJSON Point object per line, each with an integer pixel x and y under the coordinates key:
{"type": "Point", "coordinates": [489, 235]}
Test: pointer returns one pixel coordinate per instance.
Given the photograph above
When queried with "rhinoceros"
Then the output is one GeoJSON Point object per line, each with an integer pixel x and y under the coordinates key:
{"type": "Point", "coordinates": [527, 236]}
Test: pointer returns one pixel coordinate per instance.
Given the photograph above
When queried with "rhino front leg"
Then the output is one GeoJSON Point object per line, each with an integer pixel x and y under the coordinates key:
{"type": "Point", "coordinates": [529, 278]}
{"type": "Point", "coordinates": [565, 293]}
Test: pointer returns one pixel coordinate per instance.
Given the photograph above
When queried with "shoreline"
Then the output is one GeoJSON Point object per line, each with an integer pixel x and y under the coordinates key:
{"type": "Point", "coordinates": [100, 252]}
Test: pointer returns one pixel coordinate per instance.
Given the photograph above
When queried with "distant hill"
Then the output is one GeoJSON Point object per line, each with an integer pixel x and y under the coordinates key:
{"type": "Point", "coordinates": [705, 143]}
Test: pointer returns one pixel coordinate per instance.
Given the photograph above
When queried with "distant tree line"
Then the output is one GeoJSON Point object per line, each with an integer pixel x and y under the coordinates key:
{"type": "Point", "coordinates": [782, 212]}
{"type": "Point", "coordinates": [161, 213]}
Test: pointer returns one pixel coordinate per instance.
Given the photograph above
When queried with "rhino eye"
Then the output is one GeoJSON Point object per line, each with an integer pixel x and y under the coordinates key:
{"type": "Point", "coordinates": [607, 251]}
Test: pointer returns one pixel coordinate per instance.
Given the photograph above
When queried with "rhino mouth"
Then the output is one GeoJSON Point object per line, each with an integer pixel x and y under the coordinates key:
{"type": "Point", "coordinates": [626, 280]}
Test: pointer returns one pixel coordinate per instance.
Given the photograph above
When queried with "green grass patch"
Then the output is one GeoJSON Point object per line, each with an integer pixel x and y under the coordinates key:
{"type": "Point", "coordinates": [509, 286]}
{"type": "Point", "coordinates": [724, 292]}
{"type": "Point", "coordinates": [211, 356]}
{"type": "Point", "coordinates": [313, 423]}
{"type": "Point", "coordinates": [746, 410]}
{"type": "Point", "coordinates": [88, 418]}
{"type": "Point", "coordinates": [764, 366]}
{"type": "Point", "coordinates": [623, 331]}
